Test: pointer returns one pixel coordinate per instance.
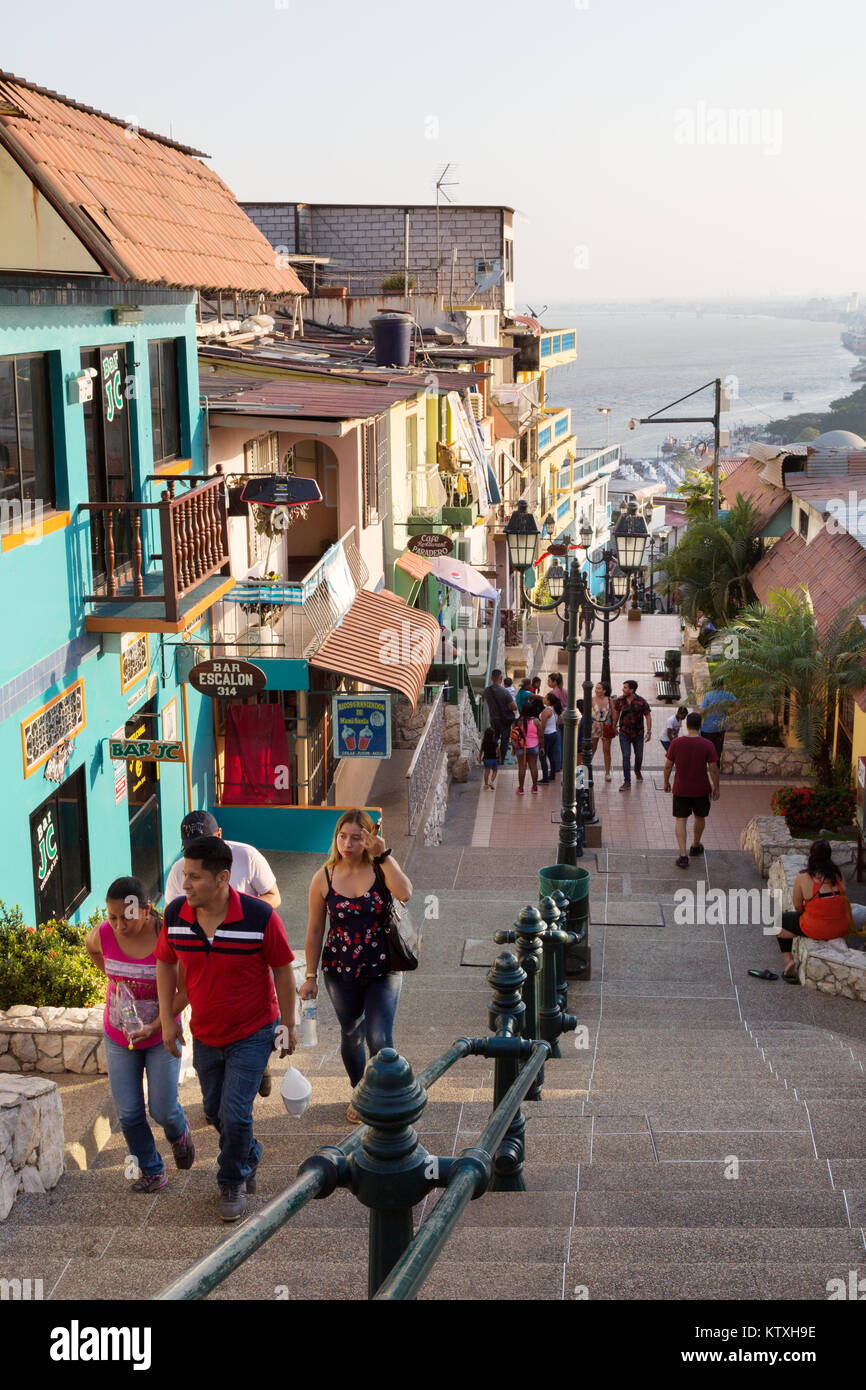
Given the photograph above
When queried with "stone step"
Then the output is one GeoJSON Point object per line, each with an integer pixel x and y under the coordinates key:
{"type": "Point", "coordinates": [759, 1280]}
{"type": "Point", "coordinates": [668, 1244]}
{"type": "Point", "coordinates": [791, 1207]}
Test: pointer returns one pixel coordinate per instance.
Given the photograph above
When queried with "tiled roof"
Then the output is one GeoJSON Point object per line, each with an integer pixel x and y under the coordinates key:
{"type": "Point", "coordinates": [832, 567]}
{"type": "Point", "coordinates": [747, 482]}
{"type": "Point", "coordinates": [317, 400]}
{"type": "Point", "coordinates": [145, 207]}
{"type": "Point", "coordinates": [376, 623]}
{"type": "Point", "coordinates": [819, 491]}
{"type": "Point", "coordinates": [416, 566]}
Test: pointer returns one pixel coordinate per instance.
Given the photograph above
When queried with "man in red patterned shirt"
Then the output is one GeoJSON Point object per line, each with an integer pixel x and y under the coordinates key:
{"type": "Point", "coordinates": [632, 711]}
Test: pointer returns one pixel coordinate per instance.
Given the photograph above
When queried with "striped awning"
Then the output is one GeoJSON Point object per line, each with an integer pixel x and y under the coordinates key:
{"type": "Point", "coordinates": [417, 566]}
{"type": "Point", "coordinates": [382, 642]}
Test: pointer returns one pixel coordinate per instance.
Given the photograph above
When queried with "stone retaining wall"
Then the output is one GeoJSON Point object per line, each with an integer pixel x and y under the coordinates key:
{"type": "Point", "coordinates": [782, 764]}
{"type": "Point", "coordinates": [31, 1137]}
{"type": "Point", "coordinates": [767, 838]}
{"type": "Point", "coordinates": [52, 1040]}
{"type": "Point", "coordinates": [436, 806]}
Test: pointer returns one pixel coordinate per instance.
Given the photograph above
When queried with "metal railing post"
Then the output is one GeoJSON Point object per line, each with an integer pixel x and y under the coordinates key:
{"type": "Point", "coordinates": [552, 1019]}
{"type": "Point", "coordinates": [505, 1014]}
{"type": "Point", "coordinates": [561, 983]}
{"type": "Point", "coordinates": [391, 1172]}
{"type": "Point", "coordinates": [526, 934]}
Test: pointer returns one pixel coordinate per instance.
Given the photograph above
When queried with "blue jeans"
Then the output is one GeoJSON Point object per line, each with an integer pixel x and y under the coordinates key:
{"type": "Point", "coordinates": [626, 745]}
{"type": "Point", "coordinates": [126, 1071]}
{"type": "Point", "coordinates": [229, 1078]}
{"type": "Point", "coordinates": [364, 1008]}
{"type": "Point", "coordinates": [549, 756]}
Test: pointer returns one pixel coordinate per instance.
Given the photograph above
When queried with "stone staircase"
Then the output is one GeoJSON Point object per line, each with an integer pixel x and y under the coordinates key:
{"type": "Point", "coordinates": [706, 1144]}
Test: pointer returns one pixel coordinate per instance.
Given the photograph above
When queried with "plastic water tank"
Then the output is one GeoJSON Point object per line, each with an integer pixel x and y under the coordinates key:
{"type": "Point", "coordinates": [392, 338]}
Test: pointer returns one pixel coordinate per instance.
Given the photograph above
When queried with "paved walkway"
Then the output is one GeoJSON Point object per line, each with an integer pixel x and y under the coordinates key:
{"type": "Point", "coordinates": [705, 1143]}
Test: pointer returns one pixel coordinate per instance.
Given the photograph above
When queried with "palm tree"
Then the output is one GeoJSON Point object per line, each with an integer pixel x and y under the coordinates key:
{"type": "Point", "coordinates": [711, 565]}
{"type": "Point", "coordinates": [778, 650]}
{"type": "Point", "coordinates": [696, 489]}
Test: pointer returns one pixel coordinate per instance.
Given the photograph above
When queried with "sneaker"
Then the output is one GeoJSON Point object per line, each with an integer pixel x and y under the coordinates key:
{"type": "Point", "coordinates": [696, 849]}
{"type": "Point", "coordinates": [250, 1183]}
{"type": "Point", "coordinates": [519, 791]}
{"type": "Point", "coordinates": [265, 1083]}
{"type": "Point", "coordinates": [626, 787]}
{"type": "Point", "coordinates": [184, 1150]}
{"type": "Point", "coordinates": [150, 1182]}
{"type": "Point", "coordinates": [233, 1203]}
{"type": "Point", "coordinates": [683, 861]}
{"type": "Point", "coordinates": [607, 777]}
{"type": "Point", "coordinates": [535, 791]}
{"type": "Point", "coordinates": [639, 776]}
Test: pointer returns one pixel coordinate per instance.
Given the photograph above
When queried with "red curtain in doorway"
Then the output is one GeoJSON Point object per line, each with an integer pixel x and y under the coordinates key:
{"type": "Point", "coordinates": [257, 768]}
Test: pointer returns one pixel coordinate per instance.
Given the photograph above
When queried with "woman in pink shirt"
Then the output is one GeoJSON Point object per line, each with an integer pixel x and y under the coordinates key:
{"type": "Point", "coordinates": [123, 948]}
{"type": "Point", "coordinates": [527, 739]}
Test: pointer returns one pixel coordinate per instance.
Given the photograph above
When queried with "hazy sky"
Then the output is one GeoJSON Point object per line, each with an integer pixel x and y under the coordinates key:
{"type": "Point", "coordinates": [650, 148]}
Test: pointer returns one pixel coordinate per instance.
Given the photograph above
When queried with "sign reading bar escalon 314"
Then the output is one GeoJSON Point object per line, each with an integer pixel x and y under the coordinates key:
{"type": "Point", "coordinates": [227, 680]}
{"type": "Point", "coordinates": [146, 750]}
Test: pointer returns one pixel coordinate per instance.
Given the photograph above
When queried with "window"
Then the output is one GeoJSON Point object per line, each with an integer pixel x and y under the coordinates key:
{"type": "Point", "coordinates": [375, 450]}
{"type": "Point", "coordinates": [509, 260]}
{"type": "Point", "coordinates": [164, 400]}
{"type": "Point", "coordinates": [484, 268]}
{"type": "Point", "coordinates": [803, 523]}
{"type": "Point", "coordinates": [26, 454]}
{"type": "Point", "coordinates": [60, 848]}
{"type": "Point", "coordinates": [261, 455]}
{"type": "Point", "coordinates": [109, 465]}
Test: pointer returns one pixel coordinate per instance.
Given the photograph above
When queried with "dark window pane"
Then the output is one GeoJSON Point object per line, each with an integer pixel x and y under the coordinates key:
{"type": "Point", "coordinates": [9, 477]}
{"type": "Point", "coordinates": [155, 400]}
{"type": "Point", "coordinates": [115, 425]}
{"type": "Point", "coordinates": [170, 403]}
{"type": "Point", "coordinates": [74, 852]}
{"type": "Point", "coordinates": [34, 423]}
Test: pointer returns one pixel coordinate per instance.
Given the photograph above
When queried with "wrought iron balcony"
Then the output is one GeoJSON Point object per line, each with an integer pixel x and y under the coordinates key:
{"type": "Point", "coordinates": [137, 588]}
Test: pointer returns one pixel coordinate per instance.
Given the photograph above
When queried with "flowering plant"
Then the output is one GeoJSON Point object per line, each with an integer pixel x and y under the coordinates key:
{"type": "Point", "coordinates": [47, 964]}
{"type": "Point", "coordinates": [814, 808]}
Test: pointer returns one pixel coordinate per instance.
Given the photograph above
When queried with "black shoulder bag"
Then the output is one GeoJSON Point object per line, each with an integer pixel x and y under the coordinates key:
{"type": "Point", "coordinates": [402, 940]}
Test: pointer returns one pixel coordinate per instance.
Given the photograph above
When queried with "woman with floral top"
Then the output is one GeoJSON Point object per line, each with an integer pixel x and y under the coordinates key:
{"type": "Point", "coordinates": [347, 891]}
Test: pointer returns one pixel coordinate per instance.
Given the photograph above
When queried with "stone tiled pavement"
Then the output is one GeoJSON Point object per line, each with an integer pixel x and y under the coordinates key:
{"type": "Point", "coordinates": [693, 1072]}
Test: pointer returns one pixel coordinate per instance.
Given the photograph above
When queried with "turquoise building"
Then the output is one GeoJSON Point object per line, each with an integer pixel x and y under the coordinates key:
{"type": "Point", "coordinates": [113, 542]}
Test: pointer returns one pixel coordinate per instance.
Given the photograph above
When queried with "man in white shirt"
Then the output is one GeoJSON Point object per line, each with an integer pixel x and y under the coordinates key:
{"type": "Point", "coordinates": [251, 874]}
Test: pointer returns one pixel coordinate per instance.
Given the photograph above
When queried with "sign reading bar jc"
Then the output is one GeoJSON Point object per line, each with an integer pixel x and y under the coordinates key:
{"type": "Point", "coordinates": [227, 679]}
{"type": "Point", "coordinates": [146, 750]}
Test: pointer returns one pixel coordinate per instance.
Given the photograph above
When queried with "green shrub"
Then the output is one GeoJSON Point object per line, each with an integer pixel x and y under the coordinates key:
{"type": "Point", "coordinates": [761, 736]}
{"type": "Point", "coordinates": [395, 284]}
{"type": "Point", "coordinates": [47, 965]}
{"type": "Point", "coordinates": [814, 808]}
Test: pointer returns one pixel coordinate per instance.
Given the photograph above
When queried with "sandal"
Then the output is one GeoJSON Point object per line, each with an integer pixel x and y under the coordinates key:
{"type": "Point", "coordinates": [352, 1116]}
{"type": "Point", "coordinates": [763, 975]}
{"type": "Point", "coordinates": [683, 862]}
{"type": "Point", "coordinates": [791, 979]}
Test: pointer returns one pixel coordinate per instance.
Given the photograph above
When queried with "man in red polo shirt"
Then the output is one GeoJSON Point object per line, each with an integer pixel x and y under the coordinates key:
{"type": "Point", "coordinates": [697, 765]}
{"type": "Point", "coordinates": [230, 944]}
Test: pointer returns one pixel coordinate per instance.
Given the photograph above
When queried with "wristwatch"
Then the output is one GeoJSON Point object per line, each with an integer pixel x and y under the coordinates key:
{"type": "Point", "coordinates": [314, 976]}
{"type": "Point", "coordinates": [380, 857]}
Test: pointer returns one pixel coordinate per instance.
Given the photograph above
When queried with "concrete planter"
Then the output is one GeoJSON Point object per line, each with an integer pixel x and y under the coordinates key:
{"type": "Point", "coordinates": [52, 1040]}
{"type": "Point", "coordinates": [31, 1138]}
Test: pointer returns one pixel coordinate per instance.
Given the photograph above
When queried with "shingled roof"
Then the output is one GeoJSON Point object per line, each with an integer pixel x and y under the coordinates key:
{"type": "Point", "coordinates": [832, 567]}
{"type": "Point", "coordinates": [145, 207]}
{"type": "Point", "coordinates": [747, 482]}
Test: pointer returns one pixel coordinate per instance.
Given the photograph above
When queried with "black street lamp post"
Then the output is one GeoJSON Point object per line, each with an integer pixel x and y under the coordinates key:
{"type": "Point", "coordinates": [570, 595]}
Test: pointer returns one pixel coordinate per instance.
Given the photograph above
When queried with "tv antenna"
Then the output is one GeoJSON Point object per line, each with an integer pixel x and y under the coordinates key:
{"type": "Point", "coordinates": [442, 182]}
{"type": "Point", "coordinates": [536, 314]}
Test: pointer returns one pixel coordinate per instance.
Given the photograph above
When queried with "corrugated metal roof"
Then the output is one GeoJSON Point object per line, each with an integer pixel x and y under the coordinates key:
{"type": "Point", "coordinates": [373, 624]}
{"type": "Point", "coordinates": [145, 207]}
{"type": "Point", "coordinates": [819, 491]}
{"type": "Point", "coordinates": [832, 567]}
{"type": "Point", "coordinates": [318, 400]}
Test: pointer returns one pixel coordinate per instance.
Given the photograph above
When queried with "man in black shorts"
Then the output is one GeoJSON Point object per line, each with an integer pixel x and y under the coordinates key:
{"type": "Point", "coordinates": [697, 767]}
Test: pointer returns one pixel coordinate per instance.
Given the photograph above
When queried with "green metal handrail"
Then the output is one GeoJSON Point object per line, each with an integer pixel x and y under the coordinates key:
{"type": "Point", "coordinates": [197, 1281]}
{"type": "Point", "coordinates": [468, 1178]}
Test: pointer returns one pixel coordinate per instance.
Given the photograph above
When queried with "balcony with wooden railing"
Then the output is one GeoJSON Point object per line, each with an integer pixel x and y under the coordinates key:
{"type": "Point", "coordinates": [157, 566]}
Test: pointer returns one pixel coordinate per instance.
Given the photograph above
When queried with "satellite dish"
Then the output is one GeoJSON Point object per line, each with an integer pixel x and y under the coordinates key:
{"type": "Point", "coordinates": [490, 280]}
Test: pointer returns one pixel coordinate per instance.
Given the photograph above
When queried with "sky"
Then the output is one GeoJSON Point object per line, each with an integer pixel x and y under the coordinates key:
{"type": "Point", "coordinates": [663, 149]}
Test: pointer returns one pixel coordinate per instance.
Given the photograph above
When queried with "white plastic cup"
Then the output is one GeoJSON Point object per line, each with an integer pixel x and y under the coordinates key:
{"type": "Point", "coordinates": [296, 1092]}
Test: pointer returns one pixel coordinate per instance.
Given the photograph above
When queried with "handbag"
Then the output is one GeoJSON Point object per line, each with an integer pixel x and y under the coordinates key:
{"type": "Point", "coordinates": [402, 940]}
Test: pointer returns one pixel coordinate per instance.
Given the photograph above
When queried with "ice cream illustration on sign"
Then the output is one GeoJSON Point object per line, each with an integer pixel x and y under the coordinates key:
{"type": "Point", "coordinates": [349, 736]}
{"type": "Point", "coordinates": [364, 738]}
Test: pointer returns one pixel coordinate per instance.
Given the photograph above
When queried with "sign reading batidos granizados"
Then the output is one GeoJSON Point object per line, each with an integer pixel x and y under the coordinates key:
{"type": "Point", "coordinates": [362, 726]}
{"type": "Point", "coordinates": [226, 680]}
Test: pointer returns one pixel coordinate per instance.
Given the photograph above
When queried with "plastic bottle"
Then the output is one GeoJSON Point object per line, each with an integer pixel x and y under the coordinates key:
{"type": "Point", "coordinates": [309, 1034]}
{"type": "Point", "coordinates": [129, 1019]}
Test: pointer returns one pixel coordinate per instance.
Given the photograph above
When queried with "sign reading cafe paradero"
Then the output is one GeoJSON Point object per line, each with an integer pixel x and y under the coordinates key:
{"type": "Point", "coordinates": [227, 680]}
{"type": "Point", "coordinates": [430, 544]}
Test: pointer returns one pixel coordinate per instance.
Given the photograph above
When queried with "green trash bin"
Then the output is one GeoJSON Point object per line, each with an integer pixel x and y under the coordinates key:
{"type": "Point", "coordinates": [568, 878]}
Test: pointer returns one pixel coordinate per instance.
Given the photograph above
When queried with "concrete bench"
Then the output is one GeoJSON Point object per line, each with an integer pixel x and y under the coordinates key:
{"type": "Point", "coordinates": [31, 1137]}
{"type": "Point", "coordinates": [830, 966]}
